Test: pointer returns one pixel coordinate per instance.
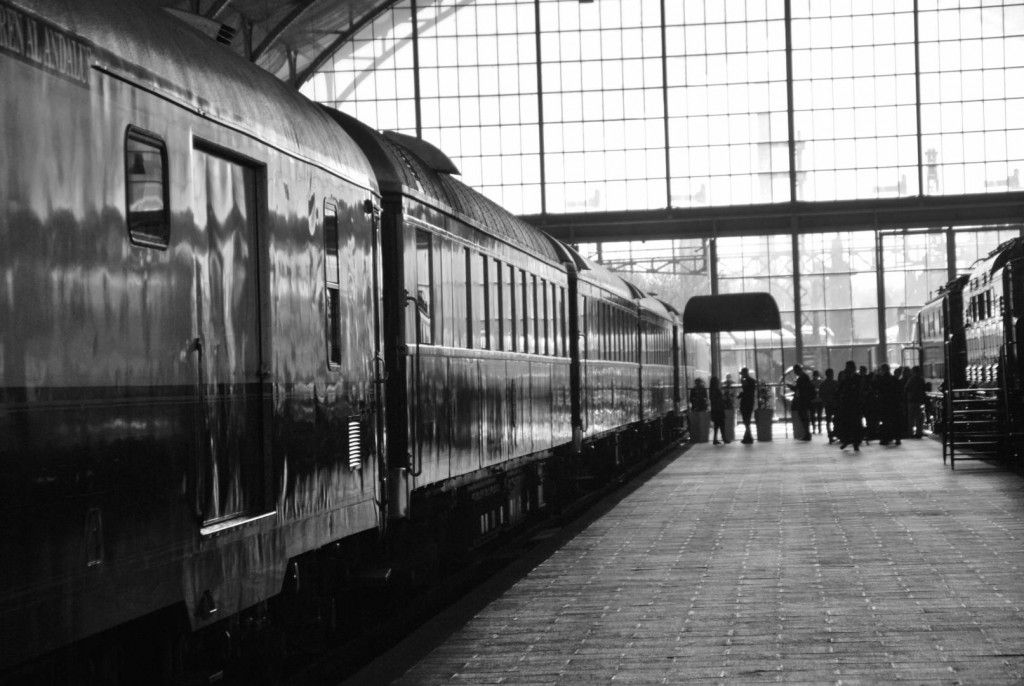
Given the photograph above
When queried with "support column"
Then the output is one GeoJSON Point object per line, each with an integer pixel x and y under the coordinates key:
{"type": "Point", "coordinates": [416, 67]}
{"type": "Point", "coordinates": [789, 101]}
{"type": "Point", "coordinates": [797, 308]}
{"type": "Point", "coordinates": [880, 285]}
{"type": "Point", "coordinates": [716, 341]}
{"type": "Point", "coordinates": [664, 105]}
{"type": "Point", "coordinates": [917, 100]}
{"type": "Point", "coordinates": [950, 253]}
{"type": "Point", "coordinates": [540, 109]}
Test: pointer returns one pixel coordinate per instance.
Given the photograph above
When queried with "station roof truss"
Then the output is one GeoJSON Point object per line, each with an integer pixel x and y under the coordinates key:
{"type": "Point", "coordinates": [291, 39]}
{"type": "Point", "coordinates": [919, 212]}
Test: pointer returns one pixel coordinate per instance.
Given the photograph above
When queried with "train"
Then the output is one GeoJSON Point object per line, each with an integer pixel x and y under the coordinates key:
{"type": "Point", "coordinates": [260, 362]}
{"type": "Point", "coordinates": [971, 344]}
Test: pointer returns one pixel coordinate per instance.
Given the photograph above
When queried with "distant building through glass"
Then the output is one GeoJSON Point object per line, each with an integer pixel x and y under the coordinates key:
{"type": "Point", "coordinates": [556, 106]}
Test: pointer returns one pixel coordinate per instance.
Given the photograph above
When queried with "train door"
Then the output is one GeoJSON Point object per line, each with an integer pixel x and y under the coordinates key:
{"type": "Point", "coordinates": [230, 474]}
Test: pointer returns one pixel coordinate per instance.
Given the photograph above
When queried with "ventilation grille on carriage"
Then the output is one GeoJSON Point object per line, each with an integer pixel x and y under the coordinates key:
{"type": "Point", "coordinates": [355, 444]}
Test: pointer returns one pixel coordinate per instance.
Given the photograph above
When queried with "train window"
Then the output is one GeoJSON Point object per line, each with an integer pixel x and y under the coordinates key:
{"type": "Point", "coordinates": [616, 315]}
{"type": "Point", "coordinates": [611, 315]}
{"type": "Point", "coordinates": [615, 330]}
{"type": "Point", "coordinates": [452, 276]}
{"type": "Point", "coordinates": [543, 310]}
{"type": "Point", "coordinates": [609, 333]}
{"type": "Point", "coordinates": [475, 334]}
{"type": "Point", "coordinates": [629, 338]}
{"type": "Point", "coordinates": [331, 280]}
{"type": "Point", "coordinates": [621, 335]}
{"type": "Point", "coordinates": [583, 323]}
{"type": "Point", "coordinates": [528, 310]}
{"type": "Point", "coordinates": [485, 291]}
{"type": "Point", "coordinates": [552, 319]}
{"type": "Point", "coordinates": [424, 288]}
{"type": "Point", "coordinates": [494, 283]}
{"type": "Point", "coordinates": [628, 351]}
{"type": "Point", "coordinates": [148, 214]}
{"type": "Point", "coordinates": [593, 330]}
{"type": "Point", "coordinates": [540, 308]}
{"type": "Point", "coordinates": [509, 313]}
{"type": "Point", "coordinates": [563, 323]}
{"type": "Point", "coordinates": [602, 329]}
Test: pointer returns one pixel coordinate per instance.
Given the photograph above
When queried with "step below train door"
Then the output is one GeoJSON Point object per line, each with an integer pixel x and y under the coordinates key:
{"type": "Point", "coordinates": [231, 474]}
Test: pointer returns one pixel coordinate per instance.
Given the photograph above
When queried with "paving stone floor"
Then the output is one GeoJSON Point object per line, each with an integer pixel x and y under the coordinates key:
{"type": "Point", "coordinates": [781, 562]}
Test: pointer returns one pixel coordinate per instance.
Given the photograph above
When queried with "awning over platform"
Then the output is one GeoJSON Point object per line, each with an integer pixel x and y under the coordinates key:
{"type": "Point", "coordinates": [731, 312]}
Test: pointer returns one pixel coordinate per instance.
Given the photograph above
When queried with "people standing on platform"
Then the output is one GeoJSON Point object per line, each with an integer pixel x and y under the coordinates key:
{"type": "Point", "coordinates": [729, 403]}
{"type": "Point", "coordinates": [803, 393]}
{"type": "Point", "coordinates": [890, 417]}
{"type": "Point", "coordinates": [717, 410]}
{"type": "Point", "coordinates": [748, 397]}
{"type": "Point", "coordinates": [850, 413]}
{"type": "Point", "coordinates": [699, 396]}
{"type": "Point", "coordinates": [817, 406]}
{"type": "Point", "coordinates": [868, 405]}
{"type": "Point", "coordinates": [916, 396]}
{"type": "Point", "coordinates": [827, 396]}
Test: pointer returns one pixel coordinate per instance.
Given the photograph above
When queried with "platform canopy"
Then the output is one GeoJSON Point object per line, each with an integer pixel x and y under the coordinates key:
{"type": "Point", "coordinates": [731, 312]}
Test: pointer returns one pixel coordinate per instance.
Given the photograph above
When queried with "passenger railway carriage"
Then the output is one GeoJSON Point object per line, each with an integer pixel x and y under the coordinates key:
{"type": "Point", "coordinates": [940, 337]}
{"type": "Point", "coordinates": [477, 340]}
{"type": "Point", "coordinates": [971, 337]}
{"type": "Point", "coordinates": [189, 327]}
{"type": "Point", "coordinates": [253, 352]}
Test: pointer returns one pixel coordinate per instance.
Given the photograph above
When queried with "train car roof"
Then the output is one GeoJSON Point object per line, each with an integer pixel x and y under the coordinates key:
{"type": "Point", "coordinates": [1008, 250]}
{"type": "Point", "coordinates": [411, 166]}
{"type": "Point", "coordinates": [942, 291]}
{"type": "Point", "coordinates": [599, 275]}
{"type": "Point", "coordinates": [655, 308]}
{"type": "Point", "coordinates": [672, 309]}
{"type": "Point", "coordinates": [157, 52]}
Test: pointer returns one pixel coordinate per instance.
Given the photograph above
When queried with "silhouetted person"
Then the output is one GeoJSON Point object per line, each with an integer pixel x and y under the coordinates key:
{"type": "Point", "coordinates": [717, 409]}
{"type": "Point", "coordinates": [889, 398]}
{"type": "Point", "coordinates": [849, 414]}
{"type": "Point", "coordinates": [868, 407]}
{"type": "Point", "coordinates": [817, 406]}
{"type": "Point", "coordinates": [748, 398]}
{"type": "Point", "coordinates": [829, 401]}
{"type": "Point", "coordinates": [916, 397]}
{"type": "Point", "coordinates": [803, 393]}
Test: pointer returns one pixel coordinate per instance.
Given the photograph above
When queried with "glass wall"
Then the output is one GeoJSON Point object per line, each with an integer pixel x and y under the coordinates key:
{"type": "Point", "coordinates": [372, 76]}
{"type": "Point", "coordinates": [673, 271]}
{"type": "Point", "coordinates": [914, 266]}
{"type": "Point", "coordinates": [559, 106]}
{"type": "Point", "coordinates": [972, 95]}
{"type": "Point", "coordinates": [843, 286]}
{"type": "Point", "coordinates": [727, 102]}
{"type": "Point", "coordinates": [477, 82]}
{"type": "Point", "coordinates": [854, 99]}
{"type": "Point", "coordinates": [838, 297]}
{"type": "Point", "coordinates": [974, 244]}
{"type": "Point", "coordinates": [604, 131]}
{"type": "Point", "coordinates": [759, 264]}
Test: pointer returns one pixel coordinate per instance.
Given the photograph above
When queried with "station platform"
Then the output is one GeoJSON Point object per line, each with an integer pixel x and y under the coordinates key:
{"type": "Point", "coordinates": [779, 562]}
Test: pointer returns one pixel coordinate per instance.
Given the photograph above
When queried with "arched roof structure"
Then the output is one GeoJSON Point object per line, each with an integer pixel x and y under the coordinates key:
{"type": "Point", "coordinates": [290, 39]}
